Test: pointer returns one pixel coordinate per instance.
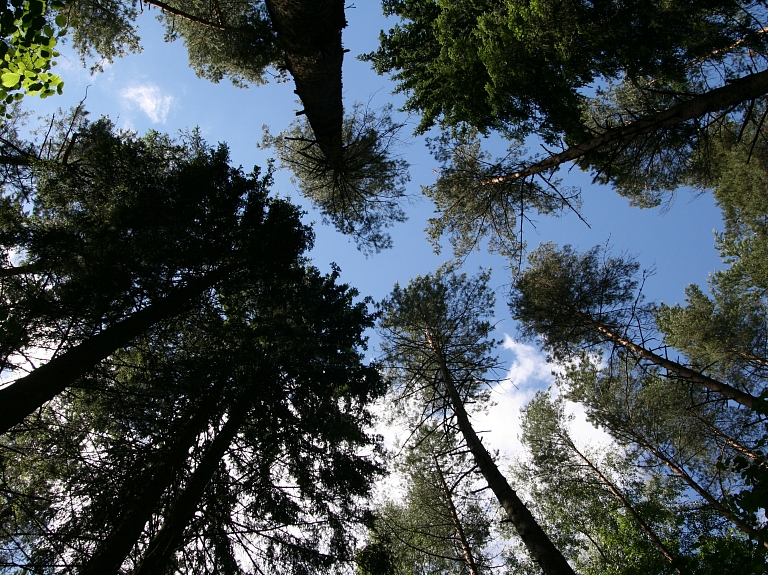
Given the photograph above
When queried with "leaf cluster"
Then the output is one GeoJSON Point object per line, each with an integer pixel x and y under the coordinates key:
{"type": "Point", "coordinates": [27, 49]}
{"type": "Point", "coordinates": [522, 67]}
{"type": "Point", "coordinates": [563, 295]}
{"type": "Point", "coordinates": [278, 343]}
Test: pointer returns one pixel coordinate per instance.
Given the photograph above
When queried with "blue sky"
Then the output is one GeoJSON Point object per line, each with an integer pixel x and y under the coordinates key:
{"type": "Point", "coordinates": [157, 90]}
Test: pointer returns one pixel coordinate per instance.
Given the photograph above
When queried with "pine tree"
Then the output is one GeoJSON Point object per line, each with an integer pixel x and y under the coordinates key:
{"type": "Point", "coordinates": [436, 343]}
{"type": "Point", "coordinates": [438, 524]}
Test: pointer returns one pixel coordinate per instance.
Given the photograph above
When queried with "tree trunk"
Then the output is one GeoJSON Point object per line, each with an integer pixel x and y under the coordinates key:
{"type": "Point", "coordinates": [31, 392]}
{"type": "Point", "coordinates": [691, 375]}
{"type": "Point", "coordinates": [626, 504]}
{"type": "Point", "coordinates": [466, 549]}
{"type": "Point", "coordinates": [112, 552]}
{"type": "Point", "coordinates": [539, 545]}
{"type": "Point", "coordinates": [25, 269]}
{"type": "Point", "coordinates": [168, 539]}
{"type": "Point", "coordinates": [309, 32]}
{"type": "Point", "coordinates": [693, 484]}
{"type": "Point", "coordinates": [730, 441]}
{"type": "Point", "coordinates": [741, 90]}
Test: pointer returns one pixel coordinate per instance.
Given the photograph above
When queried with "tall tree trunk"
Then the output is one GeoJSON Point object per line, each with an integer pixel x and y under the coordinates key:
{"type": "Point", "coordinates": [111, 554]}
{"type": "Point", "coordinates": [469, 558]}
{"type": "Point", "coordinates": [744, 450]}
{"type": "Point", "coordinates": [741, 90]}
{"type": "Point", "coordinates": [309, 32]}
{"type": "Point", "coordinates": [625, 503]}
{"type": "Point", "coordinates": [538, 543]}
{"type": "Point", "coordinates": [34, 268]}
{"type": "Point", "coordinates": [691, 375]}
{"type": "Point", "coordinates": [693, 484]}
{"type": "Point", "coordinates": [169, 537]}
{"type": "Point", "coordinates": [31, 392]}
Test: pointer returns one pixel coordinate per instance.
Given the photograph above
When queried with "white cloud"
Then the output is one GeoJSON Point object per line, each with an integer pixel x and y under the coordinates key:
{"type": "Point", "coordinates": [582, 432]}
{"type": "Point", "coordinates": [150, 99]}
{"type": "Point", "coordinates": [528, 373]}
{"type": "Point", "coordinates": [530, 365]}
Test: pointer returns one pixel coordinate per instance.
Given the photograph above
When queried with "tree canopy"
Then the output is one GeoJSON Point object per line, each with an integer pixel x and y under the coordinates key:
{"type": "Point", "coordinates": [633, 92]}
{"type": "Point", "coordinates": [233, 421]}
{"type": "Point", "coordinates": [184, 392]}
{"type": "Point", "coordinates": [521, 67]}
{"type": "Point", "coordinates": [27, 50]}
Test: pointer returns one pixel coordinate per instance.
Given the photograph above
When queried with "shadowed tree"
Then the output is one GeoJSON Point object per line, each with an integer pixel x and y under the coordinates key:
{"type": "Point", "coordinates": [578, 301]}
{"type": "Point", "coordinates": [234, 429]}
{"type": "Point", "coordinates": [344, 165]}
{"type": "Point", "coordinates": [126, 234]}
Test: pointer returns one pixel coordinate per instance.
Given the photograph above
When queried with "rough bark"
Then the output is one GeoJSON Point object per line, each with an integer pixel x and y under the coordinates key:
{"type": "Point", "coordinates": [112, 552]}
{"type": "Point", "coordinates": [732, 94]}
{"type": "Point", "coordinates": [538, 543]}
{"type": "Point", "coordinates": [309, 32]}
{"type": "Point", "coordinates": [469, 558]}
{"type": "Point", "coordinates": [170, 535]}
{"type": "Point", "coordinates": [25, 395]}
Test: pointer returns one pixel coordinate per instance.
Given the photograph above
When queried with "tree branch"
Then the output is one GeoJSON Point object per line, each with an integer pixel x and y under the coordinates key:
{"type": "Point", "coordinates": [747, 88]}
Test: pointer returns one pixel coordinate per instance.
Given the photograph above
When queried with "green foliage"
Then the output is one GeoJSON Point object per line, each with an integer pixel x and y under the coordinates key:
{"type": "Point", "coordinates": [725, 331]}
{"type": "Point", "coordinates": [441, 315]}
{"type": "Point", "coordinates": [104, 29]}
{"type": "Point", "coordinates": [416, 530]}
{"type": "Point", "coordinates": [650, 168]}
{"type": "Point", "coordinates": [27, 50]}
{"type": "Point", "coordinates": [665, 426]}
{"type": "Point", "coordinates": [475, 200]}
{"type": "Point", "coordinates": [277, 338]}
{"type": "Point", "coordinates": [116, 221]}
{"type": "Point", "coordinates": [522, 67]}
{"type": "Point", "coordinates": [584, 305]}
{"type": "Point", "coordinates": [235, 40]}
{"type": "Point", "coordinates": [568, 486]}
{"type": "Point", "coordinates": [563, 294]}
{"type": "Point", "coordinates": [359, 193]}
{"type": "Point", "coordinates": [295, 462]}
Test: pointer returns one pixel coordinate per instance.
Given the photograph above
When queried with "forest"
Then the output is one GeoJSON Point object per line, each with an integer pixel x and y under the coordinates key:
{"type": "Point", "coordinates": [188, 387]}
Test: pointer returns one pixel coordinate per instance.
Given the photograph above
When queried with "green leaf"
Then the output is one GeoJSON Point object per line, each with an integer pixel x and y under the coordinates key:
{"type": "Point", "coordinates": [61, 21]}
{"type": "Point", "coordinates": [10, 79]}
